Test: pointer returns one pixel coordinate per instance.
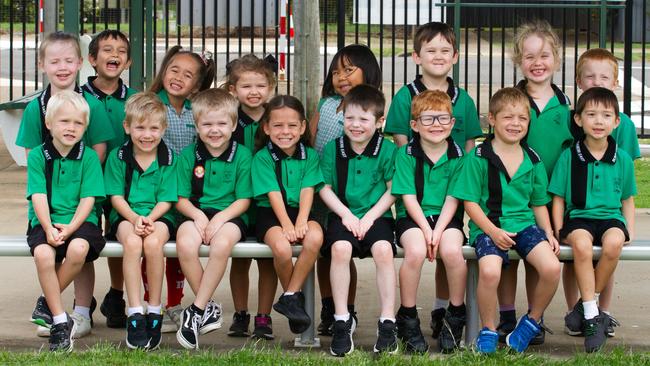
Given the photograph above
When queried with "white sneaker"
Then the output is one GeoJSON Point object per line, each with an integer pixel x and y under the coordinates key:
{"type": "Point", "coordinates": [171, 319]}
{"type": "Point", "coordinates": [42, 331]}
{"type": "Point", "coordinates": [82, 323]}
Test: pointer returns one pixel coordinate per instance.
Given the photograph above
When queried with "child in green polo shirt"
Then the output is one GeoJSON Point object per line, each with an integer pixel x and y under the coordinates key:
{"type": "Point", "coordinates": [358, 168]}
{"type": "Point", "coordinates": [214, 189]}
{"type": "Point", "coordinates": [140, 178]}
{"type": "Point", "coordinates": [593, 205]}
{"type": "Point", "coordinates": [425, 171]}
{"type": "Point", "coordinates": [503, 183]}
{"type": "Point", "coordinates": [62, 226]}
{"type": "Point", "coordinates": [597, 67]}
{"type": "Point", "coordinates": [110, 55]}
{"type": "Point", "coordinates": [286, 175]}
{"type": "Point", "coordinates": [435, 51]}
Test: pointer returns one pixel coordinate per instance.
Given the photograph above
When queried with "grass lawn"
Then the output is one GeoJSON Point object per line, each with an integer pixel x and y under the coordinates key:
{"type": "Point", "coordinates": [103, 354]}
{"type": "Point", "coordinates": [642, 171]}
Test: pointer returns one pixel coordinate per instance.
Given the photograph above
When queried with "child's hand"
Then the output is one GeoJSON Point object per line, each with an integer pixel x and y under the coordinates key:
{"type": "Point", "coordinates": [433, 243]}
{"type": "Point", "coordinates": [215, 224]}
{"type": "Point", "coordinates": [53, 237]}
{"type": "Point", "coordinates": [555, 245]}
{"type": "Point", "coordinates": [502, 239]}
{"type": "Point", "coordinates": [364, 226]}
{"type": "Point", "coordinates": [64, 232]}
{"type": "Point", "coordinates": [139, 225]}
{"type": "Point", "coordinates": [301, 228]}
{"type": "Point", "coordinates": [289, 232]}
{"type": "Point", "coordinates": [351, 223]}
{"type": "Point", "coordinates": [200, 224]}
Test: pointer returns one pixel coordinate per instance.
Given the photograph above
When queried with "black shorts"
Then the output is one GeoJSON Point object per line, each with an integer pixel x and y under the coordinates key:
{"type": "Point", "coordinates": [595, 227]}
{"type": "Point", "coordinates": [87, 231]}
{"type": "Point", "coordinates": [114, 225]}
{"type": "Point", "coordinates": [406, 223]}
{"type": "Point", "coordinates": [382, 229]}
{"type": "Point", "coordinates": [266, 219]}
{"type": "Point", "coordinates": [211, 212]}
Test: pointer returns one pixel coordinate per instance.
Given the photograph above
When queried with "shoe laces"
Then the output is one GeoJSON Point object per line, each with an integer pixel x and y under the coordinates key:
{"type": "Point", "coordinates": [239, 317]}
{"type": "Point", "coordinates": [194, 321]}
{"type": "Point", "coordinates": [386, 330]}
{"type": "Point", "coordinates": [613, 321]}
{"type": "Point", "coordinates": [212, 310]}
{"type": "Point", "coordinates": [262, 321]}
{"type": "Point", "coordinates": [449, 329]}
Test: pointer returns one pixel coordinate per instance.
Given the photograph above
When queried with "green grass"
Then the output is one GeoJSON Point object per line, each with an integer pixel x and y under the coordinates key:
{"type": "Point", "coordinates": [642, 171]}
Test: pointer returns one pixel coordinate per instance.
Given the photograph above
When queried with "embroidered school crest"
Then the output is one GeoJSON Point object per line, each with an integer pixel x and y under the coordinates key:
{"type": "Point", "coordinates": [199, 171]}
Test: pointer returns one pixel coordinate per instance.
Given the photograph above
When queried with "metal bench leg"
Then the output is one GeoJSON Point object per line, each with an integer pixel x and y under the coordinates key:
{"type": "Point", "coordinates": [307, 338]}
{"type": "Point", "coordinates": [473, 321]}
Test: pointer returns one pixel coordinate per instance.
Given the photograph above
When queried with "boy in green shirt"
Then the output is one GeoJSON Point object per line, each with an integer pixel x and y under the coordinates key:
{"type": "Point", "coordinates": [214, 189]}
{"type": "Point", "coordinates": [62, 226]}
{"type": "Point", "coordinates": [140, 178]}
{"type": "Point", "coordinates": [425, 171]}
{"type": "Point", "coordinates": [593, 205]}
{"type": "Point", "coordinates": [503, 183]}
{"type": "Point", "coordinates": [358, 169]}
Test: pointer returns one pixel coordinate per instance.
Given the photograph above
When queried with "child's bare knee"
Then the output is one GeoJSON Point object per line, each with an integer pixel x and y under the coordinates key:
{"type": "Point", "coordinates": [341, 251]}
{"type": "Point", "coordinates": [77, 250]}
{"type": "Point", "coordinates": [44, 255]}
{"type": "Point", "coordinates": [490, 275]}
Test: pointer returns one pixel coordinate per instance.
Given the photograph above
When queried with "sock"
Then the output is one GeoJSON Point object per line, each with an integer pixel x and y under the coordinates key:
{"type": "Point", "coordinates": [83, 310]}
{"type": "Point", "coordinates": [327, 302]}
{"type": "Point", "coordinates": [351, 308]}
{"type": "Point", "coordinates": [113, 292]}
{"type": "Point", "coordinates": [135, 310]}
{"type": "Point", "coordinates": [591, 309]}
{"type": "Point", "coordinates": [175, 282]}
{"type": "Point", "coordinates": [410, 312]}
{"type": "Point", "coordinates": [197, 310]}
{"type": "Point", "coordinates": [288, 293]}
{"type": "Point", "coordinates": [606, 312]}
{"type": "Point", "coordinates": [154, 309]}
{"type": "Point", "coordinates": [382, 319]}
{"type": "Point", "coordinates": [440, 304]}
{"type": "Point", "coordinates": [457, 310]}
{"type": "Point", "coordinates": [61, 318]}
{"type": "Point", "coordinates": [344, 317]}
{"type": "Point", "coordinates": [508, 307]}
{"type": "Point", "coordinates": [597, 297]}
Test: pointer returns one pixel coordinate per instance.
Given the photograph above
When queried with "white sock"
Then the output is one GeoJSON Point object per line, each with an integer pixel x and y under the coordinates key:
{"type": "Point", "coordinates": [82, 310]}
{"type": "Point", "coordinates": [61, 318]}
{"type": "Point", "coordinates": [154, 309]}
{"type": "Point", "coordinates": [591, 309]}
{"type": "Point", "coordinates": [440, 304]}
{"type": "Point", "coordinates": [288, 293]}
{"type": "Point", "coordinates": [606, 312]}
{"type": "Point", "coordinates": [135, 310]}
{"type": "Point", "coordinates": [382, 319]}
{"type": "Point", "coordinates": [344, 317]}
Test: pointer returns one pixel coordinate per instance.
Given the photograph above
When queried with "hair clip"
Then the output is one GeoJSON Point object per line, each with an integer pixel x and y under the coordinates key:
{"type": "Point", "coordinates": [206, 56]}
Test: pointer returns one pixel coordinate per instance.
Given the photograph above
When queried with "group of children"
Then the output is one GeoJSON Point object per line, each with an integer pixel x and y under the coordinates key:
{"type": "Point", "coordinates": [214, 166]}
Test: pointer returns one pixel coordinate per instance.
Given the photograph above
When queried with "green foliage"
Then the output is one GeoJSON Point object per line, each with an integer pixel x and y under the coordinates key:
{"type": "Point", "coordinates": [642, 171]}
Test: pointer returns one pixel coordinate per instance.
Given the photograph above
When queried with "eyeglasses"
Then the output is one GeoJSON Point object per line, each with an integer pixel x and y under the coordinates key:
{"type": "Point", "coordinates": [347, 71]}
{"type": "Point", "coordinates": [443, 119]}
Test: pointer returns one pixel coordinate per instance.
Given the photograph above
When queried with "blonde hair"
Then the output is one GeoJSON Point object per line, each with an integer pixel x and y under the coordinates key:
{"type": "Point", "coordinates": [507, 97]}
{"type": "Point", "coordinates": [55, 37]}
{"type": "Point", "coordinates": [541, 29]}
{"type": "Point", "coordinates": [215, 99]}
{"type": "Point", "coordinates": [66, 98]}
{"type": "Point", "coordinates": [143, 106]}
{"type": "Point", "coordinates": [430, 100]}
{"type": "Point", "coordinates": [596, 54]}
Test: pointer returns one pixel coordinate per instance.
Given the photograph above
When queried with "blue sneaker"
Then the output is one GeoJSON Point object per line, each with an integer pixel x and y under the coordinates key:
{"type": "Point", "coordinates": [525, 331]}
{"type": "Point", "coordinates": [487, 341]}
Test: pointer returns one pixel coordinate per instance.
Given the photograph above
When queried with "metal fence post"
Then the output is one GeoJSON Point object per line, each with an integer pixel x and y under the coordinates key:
{"type": "Point", "coordinates": [307, 338]}
{"type": "Point", "coordinates": [149, 17]}
{"type": "Point", "coordinates": [136, 37]}
{"type": "Point", "coordinates": [340, 24]}
{"type": "Point", "coordinates": [71, 14]}
{"type": "Point", "coordinates": [456, 72]}
{"type": "Point", "coordinates": [627, 61]}
{"type": "Point", "coordinates": [473, 321]}
{"type": "Point", "coordinates": [602, 32]}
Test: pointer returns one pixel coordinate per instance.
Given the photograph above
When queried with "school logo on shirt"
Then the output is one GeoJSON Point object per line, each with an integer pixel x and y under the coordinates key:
{"type": "Point", "coordinates": [199, 171]}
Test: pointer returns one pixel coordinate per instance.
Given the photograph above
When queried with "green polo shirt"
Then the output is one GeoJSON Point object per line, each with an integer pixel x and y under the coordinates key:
{"type": "Point", "coordinates": [505, 200]}
{"type": "Point", "coordinates": [363, 176]}
{"type": "Point", "coordinates": [73, 177]}
{"type": "Point", "coordinates": [215, 181]}
{"type": "Point", "coordinates": [114, 105]}
{"type": "Point", "coordinates": [245, 131]}
{"type": "Point", "coordinates": [271, 166]}
{"type": "Point", "coordinates": [548, 131]}
{"type": "Point", "coordinates": [624, 135]}
{"type": "Point", "coordinates": [147, 187]}
{"type": "Point", "coordinates": [466, 127]}
{"type": "Point", "coordinates": [594, 189]}
{"type": "Point", "coordinates": [32, 131]}
{"type": "Point", "coordinates": [432, 184]}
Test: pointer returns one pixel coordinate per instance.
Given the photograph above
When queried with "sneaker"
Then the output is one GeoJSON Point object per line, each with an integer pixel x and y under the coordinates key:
{"type": "Point", "coordinates": [93, 306]}
{"type": "Point", "coordinates": [82, 327]}
{"type": "Point", "coordinates": [574, 320]}
{"type": "Point", "coordinates": [171, 319]}
{"type": "Point", "coordinates": [436, 322]}
{"type": "Point", "coordinates": [595, 333]}
{"type": "Point", "coordinates": [42, 315]}
{"type": "Point", "coordinates": [61, 336]}
{"type": "Point", "coordinates": [540, 338]}
{"type": "Point", "coordinates": [507, 323]}
{"type": "Point", "coordinates": [486, 342]}
{"type": "Point", "coordinates": [386, 337]}
{"type": "Point", "coordinates": [211, 318]}
{"type": "Point", "coordinates": [188, 334]}
{"type": "Point", "coordinates": [342, 343]}
{"type": "Point", "coordinates": [292, 306]}
{"type": "Point", "coordinates": [326, 320]}
{"type": "Point", "coordinates": [239, 327]}
{"type": "Point", "coordinates": [113, 308]}
{"type": "Point", "coordinates": [42, 332]}
{"type": "Point", "coordinates": [409, 332]}
{"type": "Point", "coordinates": [154, 330]}
{"type": "Point", "coordinates": [136, 332]}
{"type": "Point", "coordinates": [613, 322]}
{"type": "Point", "coordinates": [263, 327]}
{"type": "Point", "coordinates": [524, 332]}
{"type": "Point", "coordinates": [451, 333]}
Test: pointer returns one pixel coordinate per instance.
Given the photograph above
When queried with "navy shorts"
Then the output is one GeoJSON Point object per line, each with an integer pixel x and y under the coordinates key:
{"type": "Point", "coordinates": [87, 231]}
{"type": "Point", "coordinates": [112, 234]}
{"type": "Point", "coordinates": [595, 227]}
{"type": "Point", "coordinates": [525, 241]}
{"type": "Point", "coordinates": [406, 223]}
{"type": "Point", "coordinates": [381, 229]}
{"type": "Point", "coordinates": [266, 219]}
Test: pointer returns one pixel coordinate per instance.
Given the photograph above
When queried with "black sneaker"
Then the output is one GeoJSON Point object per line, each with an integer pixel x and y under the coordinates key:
{"type": "Point", "coordinates": [342, 343]}
{"type": "Point", "coordinates": [540, 338]}
{"type": "Point", "coordinates": [595, 336]}
{"type": "Point", "coordinates": [263, 327]}
{"type": "Point", "coordinates": [61, 336]}
{"type": "Point", "coordinates": [188, 333]}
{"type": "Point", "coordinates": [154, 327]}
{"type": "Point", "coordinates": [326, 319]}
{"type": "Point", "coordinates": [409, 332]}
{"type": "Point", "coordinates": [112, 308]}
{"type": "Point", "coordinates": [507, 323]}
{"type": "Point", "coordinates": [42, 315]}
{"type": "Point", "coordinates": [574, 320]}
{"type": "Point", "coordinates": [612, 322]}
{"type": "Point", "coordinates": [292, 306]}
{"type": "Point", "coordinates": [436, 322]}
{"type": "Point", "coordinates": [451, 333]}
{"type": "Point", "coordinates": [136, 332]}
{"type": "Point", "coordinates": [239, 327]}
{"type": "Point", "coordinates": [211, 318]}
{"type": "Point", "coordinates": [386, 337]}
